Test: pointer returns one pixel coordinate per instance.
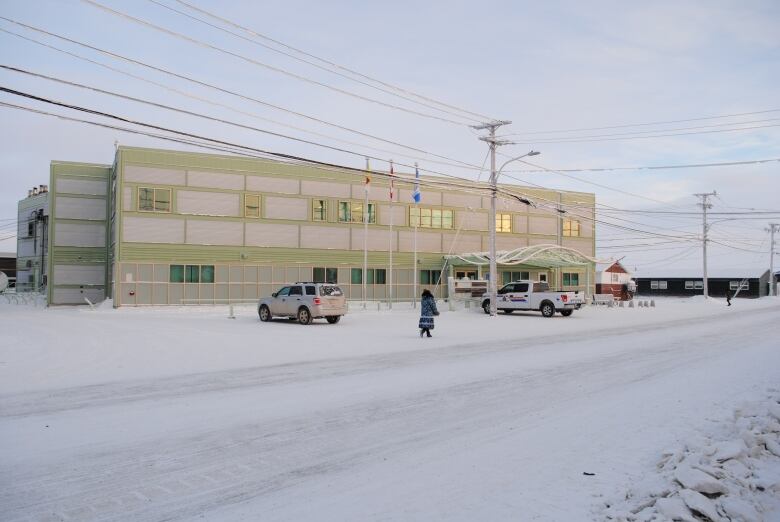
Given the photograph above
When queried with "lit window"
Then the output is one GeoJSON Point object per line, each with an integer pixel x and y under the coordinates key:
{"type": "Point", "coordinates": [352, 212]}
{"type": "Point", "coordinates": [320, 210]}
{"type": "Point", "coordinates": [426, 217]}
{"type": "Point", "coordinates": [252, 205]}
{"type": "Point", "coordinates": [571, 228]}
{"type": "Point", "coordinates": [154, 199]}
{"type": "Point", "coordinates": [503, 222]}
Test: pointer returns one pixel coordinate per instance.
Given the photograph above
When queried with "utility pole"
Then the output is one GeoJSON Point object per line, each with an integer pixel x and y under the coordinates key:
{"type": "Point", "coordinates": [773, 227]}
{"type": "Point", "coordinates": [493, 143]}
{"type": "Point", "coordinates": [705, 205]}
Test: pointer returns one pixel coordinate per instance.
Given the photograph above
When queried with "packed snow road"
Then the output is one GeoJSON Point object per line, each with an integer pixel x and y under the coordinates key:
{"type": "Point", "coordinates": [496, 429]}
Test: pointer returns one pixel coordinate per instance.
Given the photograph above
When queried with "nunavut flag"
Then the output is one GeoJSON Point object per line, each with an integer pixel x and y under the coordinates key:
{"type": "Point", "coordinates": [416, 194]}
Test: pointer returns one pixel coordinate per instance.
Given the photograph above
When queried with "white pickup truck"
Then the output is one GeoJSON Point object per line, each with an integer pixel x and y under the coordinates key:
{"type": "Point", "coordinates": [530, 295]}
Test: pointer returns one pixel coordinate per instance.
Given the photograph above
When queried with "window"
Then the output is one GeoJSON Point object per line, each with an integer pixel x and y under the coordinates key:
{"type": "Point", "coordinates": [296, 290]}
{"type": "Point", "coordinates": [154, 199]}
{"type": "Point", "coordinates": [352, 212]}
{"type": "Point", "coordinates": [689, 285]}
{"type": "Point", "coordinates": [508, 277]}
{"type": "Point", "coordinates": [429, 277]}
{"type": "Point", "coordinates": [571, 279]}
{"type": "Point", "coordinates": [542, 278]}
{"type": "Point", "coordinates": [192, 274]}
{"type": "Point", "coordinates": [503, 222]}
{"type": "Point", "coordinates": [311, 290]}
{"type": "Point", "coordinates": [571, 228]}
{"type": "Point", "coordinates": [426, 217]}
{"type": "Point", "coordinates": [698, 285]}
{"type": "Point", "coordinates": [177, 274]}
{"type": "Point", "coordinates": [207, 273]}
{"type": "Point", "coordinates": [375, 276]}
{"type": "Point", "coordinates": [284, 292]}
{"type": "Point", "coordinates": [734, 285]}
{"type": "Point", "coordinates": [319, 210]}
{"type": "Point", "coordinates": [252, 205]}
{"type": "Point", "coordinates": [653, 285]}
{"type": "Point", "coordinates": [615, 278]}
{"type": "Point", "coordinates": [662, 285]}
{"type": "Point", "coordinates": [325, 275]}
{"type": "Point", "coordinates": [30, 229]}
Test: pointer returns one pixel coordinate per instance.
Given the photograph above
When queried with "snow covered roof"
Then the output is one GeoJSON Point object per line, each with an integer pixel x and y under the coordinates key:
{"type": "Point", "coordinates": [543, 256]}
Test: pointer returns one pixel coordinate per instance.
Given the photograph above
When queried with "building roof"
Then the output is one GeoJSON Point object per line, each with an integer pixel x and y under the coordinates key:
{"type": "Point", "coordinates": [542, 256]}
{"type": "Point", "coordinates": [693, 274]}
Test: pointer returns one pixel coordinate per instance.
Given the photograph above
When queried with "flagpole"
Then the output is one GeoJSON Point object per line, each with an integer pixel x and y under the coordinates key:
{"type": "Point", "coordinates": [416, 224]}
{"type": "Point", "coordinates": [365, 236]}
{"type": "Point", "coordinates": [392, 212]}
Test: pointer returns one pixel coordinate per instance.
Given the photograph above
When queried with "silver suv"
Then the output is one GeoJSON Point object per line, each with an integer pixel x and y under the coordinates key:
{"type": "Point", "coordinates": [305, 302]}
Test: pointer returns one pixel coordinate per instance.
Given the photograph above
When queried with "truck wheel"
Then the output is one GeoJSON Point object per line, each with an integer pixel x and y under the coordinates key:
{"type": "Point", "coordinates": [333, 319]}
{"type": "Point", "coordinates": [507, 311]}
{"type": "Point", "coordinates": [264, 313]}
{"type": "Point", "coordinates": [486, 306]}
{"type": "Point", "coordinates": [547, 309]}
{"type": "Point", "coordinates": [566, 313]}
{"type": "Point", "coordinates": [304, 316]}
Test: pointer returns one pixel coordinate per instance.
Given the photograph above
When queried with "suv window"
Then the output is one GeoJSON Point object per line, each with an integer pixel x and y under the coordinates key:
{"type": "Point", "coordinates": [310, 290]}
{"type": "Point", "coordinates": [330, 290]}
{"type": "Point", "coordinates": [284, 292]}
{"type": "Point", "coordinates": [296, 290]}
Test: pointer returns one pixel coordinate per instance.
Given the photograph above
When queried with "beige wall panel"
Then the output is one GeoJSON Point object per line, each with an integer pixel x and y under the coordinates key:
{"type": "Point", "coordinates": [376, 193]}
{"type": "Point", "coordinates": [325, 189]}
{"type": "Point", "coordinates": [378, 240]}
{"type": "Point", "coordinates": [79, 275]}
{"type": "Point", "coordinates": [584, 246]}
{"type": "Point", "coordinates": [217, 180]}
{"type": "Point", "coordinates": [465, 243]}
{"type": "Point", "coordinates": [325, 237]}
{"type": "Point", "coordinates": [427, 197]}
{"type": "Point", "coordinates": [286, 208]}
{"type": "Point", "coordinates": [80, 208]}
{"type": "Point", "coordinates": [426, 241]}
{"type": "Point", "coordinates": [471, 220]}
{"type": "Point", "coordinates": [79, 235]}
{"type": "Point", "coordinates": [207, 203]}
{"type": "Point", "coordinates": [271, 235]}
{"type": "Point", "coordinates": [462, 201]}
{"type": "Point", "coordinates": [278, 185]}
{"type": "Point", "coordinates": [510, 242]}
{"type": "Point", "coordinates": [520, 225]}
{"type": "Point", "coordinates": [202, 232]}
{"type": "Point", "coordinates": [135, 174]}
{"type": "Point", "coordinates": [152, 230]}
{"type": "Point", "coordinates": [399, 215]}
{"type": "Point", "coordinates": [127, 199]}
{"type": "Point", "coordinates": [508, 205]}
{"type": "Point", "coordinates": [543, 225]}
{"type": "Point", "coordinates": [76, 295]}
{"type": "Point", "coordinates": [88, 187]}
{"type": "Point", "coordinates": [586, 228]}
{"type": "Point", "coordinates": [542, 241]}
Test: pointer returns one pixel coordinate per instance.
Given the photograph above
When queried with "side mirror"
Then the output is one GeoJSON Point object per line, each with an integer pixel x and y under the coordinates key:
{"type": "Point", "coordinates": [274, 294]}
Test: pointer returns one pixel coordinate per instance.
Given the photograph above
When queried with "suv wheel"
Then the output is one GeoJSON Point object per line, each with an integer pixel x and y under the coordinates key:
{"type": "Point", "coordinates": [333, 319]}
{"type": "Point", "coordinates": [486, 306]}
{"type": "Point", "coordinates": [547, 309]}
{"type": "Point", "coordinates": [264, 313]}
{"type": "Point", "coordinates": [304, 316]}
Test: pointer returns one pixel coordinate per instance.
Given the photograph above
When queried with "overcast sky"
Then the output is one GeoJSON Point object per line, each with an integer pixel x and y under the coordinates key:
{"type": "Point", "coordinates": [546, 66]}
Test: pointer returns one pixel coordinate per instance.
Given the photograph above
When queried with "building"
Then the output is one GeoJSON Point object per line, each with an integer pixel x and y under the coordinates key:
{"type": "Point", "coordinates": [8, 266]}
{"type": "Point", "coordinates": [32, 239]}
{"type": "Point", "coordinates": [166, 227]}
{"type": "Point", "coordinates": [613, 278]}
{"type": "Point", "coordinates": [748, 284]}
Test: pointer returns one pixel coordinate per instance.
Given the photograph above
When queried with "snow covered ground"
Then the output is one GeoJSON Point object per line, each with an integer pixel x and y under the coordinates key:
{"type": "Point", "coordinates": [181, 414]}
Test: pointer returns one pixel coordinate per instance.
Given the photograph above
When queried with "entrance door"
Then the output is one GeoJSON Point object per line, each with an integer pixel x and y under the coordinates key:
{"type": "Point", "coordinates": [466, 274]}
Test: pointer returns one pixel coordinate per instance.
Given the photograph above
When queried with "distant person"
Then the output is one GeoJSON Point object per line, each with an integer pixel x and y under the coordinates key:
{"type": "Point", "coordinates": [427, 312]}
{"type": "Point", "coordinates": [728, 297]}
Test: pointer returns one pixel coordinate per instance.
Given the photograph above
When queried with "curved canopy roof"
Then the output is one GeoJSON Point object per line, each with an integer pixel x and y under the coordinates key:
{"type": "Point", "coordinates": [542, 256]}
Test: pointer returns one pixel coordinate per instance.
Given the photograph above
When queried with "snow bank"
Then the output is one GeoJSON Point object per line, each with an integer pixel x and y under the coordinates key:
{"type": "Point", "coordinates": [730, 475]}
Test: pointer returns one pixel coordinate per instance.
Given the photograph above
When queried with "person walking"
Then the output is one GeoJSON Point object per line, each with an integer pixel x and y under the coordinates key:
{"type": "Point", "coordinates": [427, 312]}
{"type": "Point", "coordinates": [728, 297]}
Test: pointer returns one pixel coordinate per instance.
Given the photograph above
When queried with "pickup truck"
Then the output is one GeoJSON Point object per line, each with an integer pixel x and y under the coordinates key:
{"type": "Point", "coordinates": [530, 295]}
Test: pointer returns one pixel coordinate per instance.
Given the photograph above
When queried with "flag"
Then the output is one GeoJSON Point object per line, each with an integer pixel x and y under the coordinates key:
{"type": "Point", "coordinates": [368, 175]}
{"type": "Point", "coordinates": [416, 194]}
{"type": "Point", "coordinates": [391, 180]}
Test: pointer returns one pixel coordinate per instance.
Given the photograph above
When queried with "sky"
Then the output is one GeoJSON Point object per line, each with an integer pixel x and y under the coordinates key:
{"type": "Point", "coordinates": [545, 66]}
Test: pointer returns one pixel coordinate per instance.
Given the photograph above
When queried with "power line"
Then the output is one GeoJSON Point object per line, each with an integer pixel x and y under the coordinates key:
{"type": "Point", "coordinates": [648, 123]}
{"type": "Point", "coordinates": [659, 167]}
{"type": "Point", "coordinates": [459, 114]}
{"type": "Point", "coordinates": [222, 90]}
{"type": "Point", "coordinates": [258, 63]}
{"type": "Point", "coordinates": [482, 117]}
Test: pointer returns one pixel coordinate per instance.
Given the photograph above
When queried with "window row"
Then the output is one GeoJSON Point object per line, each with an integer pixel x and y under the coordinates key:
{"type": "Point", "coordinates": [694, 285]}
{"type": "Point", "coordinates": [374, 276]}
{"type": "Point", "coordinates": [658, 285]}
{"type": "Point", "coordinates": [191, 274]}
{"type": "Point", "coordinates": [425, 217]}
{"type": "Point", "coordinates": [508, 277]}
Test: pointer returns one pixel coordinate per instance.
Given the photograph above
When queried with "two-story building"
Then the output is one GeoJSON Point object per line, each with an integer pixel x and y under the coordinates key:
{"type": "Point", "coordinates": [165, 227]}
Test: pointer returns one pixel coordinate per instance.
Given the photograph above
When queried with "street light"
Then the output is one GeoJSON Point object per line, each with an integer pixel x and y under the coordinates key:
{"type": "Point", "coordinates": [492, 225]}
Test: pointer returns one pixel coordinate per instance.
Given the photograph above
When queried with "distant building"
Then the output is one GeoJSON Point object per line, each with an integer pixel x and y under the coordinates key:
{"type": "Point", "coordinates": [8, 266]}
{"type": "Point", "coordinates": [682, 284]}
{"type": "Point", "coordinates": [613, 278]}
{"type": "Point", "coordinates": [32, 238]}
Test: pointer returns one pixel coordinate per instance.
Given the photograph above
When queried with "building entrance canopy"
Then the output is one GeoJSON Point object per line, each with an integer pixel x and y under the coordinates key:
{"type": "Point", "coordinates": [541, 256]}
